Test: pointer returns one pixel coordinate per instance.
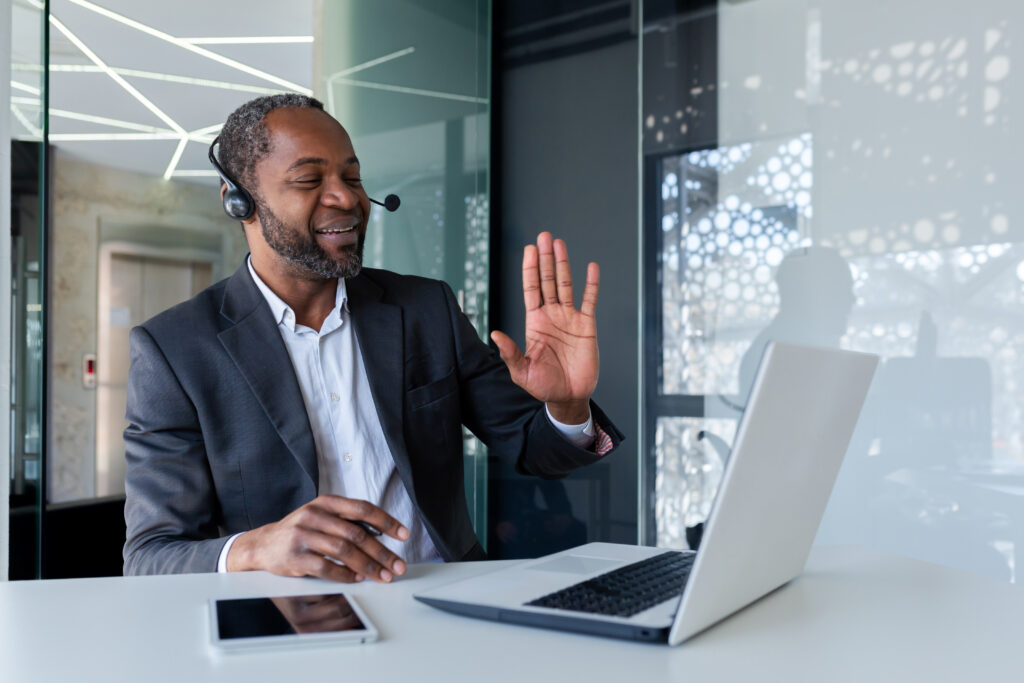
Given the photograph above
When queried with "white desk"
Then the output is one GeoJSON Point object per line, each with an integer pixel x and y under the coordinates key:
{"type": "Point", "coordinates": [854, 615]}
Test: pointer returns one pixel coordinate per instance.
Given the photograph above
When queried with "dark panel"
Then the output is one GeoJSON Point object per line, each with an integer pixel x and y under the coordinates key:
{"type": "Point", "coordinates": [539, 31]}
{"type": "Point", "coordinates": [84, 539]}
{"type": "Point", "coordinates": [24, 527]}
{"type": "Point", "coordinates": [569, 165]}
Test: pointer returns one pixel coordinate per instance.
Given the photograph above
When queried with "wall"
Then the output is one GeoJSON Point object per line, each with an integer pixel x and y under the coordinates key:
{"type": "Point", "coordinates": [569, 165]}
{"type": "Point", "coordinates": [91, 204]}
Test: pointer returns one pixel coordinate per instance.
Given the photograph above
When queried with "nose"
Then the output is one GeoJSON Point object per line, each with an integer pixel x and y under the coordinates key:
{"type": "Point", "coordinates": [338, 193]}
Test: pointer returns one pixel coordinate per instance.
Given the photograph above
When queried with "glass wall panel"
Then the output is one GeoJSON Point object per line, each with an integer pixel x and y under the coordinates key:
{"type": "Point", "coordinates": [138, 92]}
{"type": "Point", "coordinates": [410, 81]}
{"type": "Point", "coordinates": [857, 192]}
{"type": "Point", "coordinates": [25, 273]}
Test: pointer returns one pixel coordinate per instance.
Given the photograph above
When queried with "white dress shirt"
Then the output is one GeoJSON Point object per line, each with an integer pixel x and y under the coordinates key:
{"type": "Point", "coordinates": [353, 457]}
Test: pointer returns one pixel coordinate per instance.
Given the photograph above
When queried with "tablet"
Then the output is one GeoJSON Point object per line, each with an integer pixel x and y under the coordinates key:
{"type": "Point", "coordinates": [288, 621]}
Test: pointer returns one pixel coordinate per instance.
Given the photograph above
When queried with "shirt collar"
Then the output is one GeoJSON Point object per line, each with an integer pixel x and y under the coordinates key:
{"type": "Point", "coordinates": [283, 313]}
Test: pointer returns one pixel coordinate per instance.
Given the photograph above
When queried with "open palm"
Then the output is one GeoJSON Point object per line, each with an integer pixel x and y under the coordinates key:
{"type": "Point", "coordinates": [561, 361]}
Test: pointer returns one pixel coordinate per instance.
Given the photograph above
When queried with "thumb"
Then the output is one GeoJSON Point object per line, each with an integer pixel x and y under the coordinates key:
{"type": "Point", "coordinates": [511, 354]}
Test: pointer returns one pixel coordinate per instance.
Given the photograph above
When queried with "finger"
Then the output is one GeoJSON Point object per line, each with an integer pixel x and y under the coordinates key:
{"type": "Point", "coordinates": [563, 275]}
{"type": "Point", "coordinates": [509, 353]}
{"type": "Point", "coordinates": [531, 278]}
{"type": "Point", "coordinates": [590, 291]}
{"type": "Point", "coordinates": [349, 553]}
{"type": "Point", "coordinates": [344, 532]}
{"type": "Point", "coordinates": [350, 508]}
{"type": "Point", "coordinates": [320, 567]}
{"type": "Point", "coordinates": [548, 289]}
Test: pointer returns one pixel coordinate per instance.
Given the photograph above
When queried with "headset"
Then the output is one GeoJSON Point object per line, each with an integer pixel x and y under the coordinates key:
{"type": "Point", "coordinates": [239, 205]}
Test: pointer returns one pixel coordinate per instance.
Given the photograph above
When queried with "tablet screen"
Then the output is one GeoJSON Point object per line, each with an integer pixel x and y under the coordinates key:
{"type": "Point", "coordinates": [286, 615]}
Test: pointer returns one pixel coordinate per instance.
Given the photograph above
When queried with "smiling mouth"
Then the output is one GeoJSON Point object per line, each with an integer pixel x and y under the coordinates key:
{"type": "Point", "coordinates": [335, 231]}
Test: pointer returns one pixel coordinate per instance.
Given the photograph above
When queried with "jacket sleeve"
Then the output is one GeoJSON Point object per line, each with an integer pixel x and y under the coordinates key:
{"type": "Point", "coordinates": [504, 416]}
{"type": "Point", "coordinates": [171, 507]}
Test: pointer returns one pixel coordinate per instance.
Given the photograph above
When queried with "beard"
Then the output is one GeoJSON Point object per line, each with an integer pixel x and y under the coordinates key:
{"type": "Point", "coordinates": [302, 251]}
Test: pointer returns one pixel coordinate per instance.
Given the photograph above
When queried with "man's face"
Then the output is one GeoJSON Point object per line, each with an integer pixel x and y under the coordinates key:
{"type": "Point", "coordinates": [310, 200]}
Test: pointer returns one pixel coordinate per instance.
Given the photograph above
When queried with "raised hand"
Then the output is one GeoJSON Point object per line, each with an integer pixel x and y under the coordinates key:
{"type": "Point", "coordinates": [560, 366]}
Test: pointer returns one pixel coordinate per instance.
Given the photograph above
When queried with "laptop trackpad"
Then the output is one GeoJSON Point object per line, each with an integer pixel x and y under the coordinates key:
{"type": "Point", "coordinates": [576, 564]}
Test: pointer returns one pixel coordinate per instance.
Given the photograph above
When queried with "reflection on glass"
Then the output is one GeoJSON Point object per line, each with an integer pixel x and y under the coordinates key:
{"type": "Point", "coordinates": [860, 194]}
{"type": "Point", "coordinates": [411, 85]}
{"type": "Point", "coordinates": [691, 453]}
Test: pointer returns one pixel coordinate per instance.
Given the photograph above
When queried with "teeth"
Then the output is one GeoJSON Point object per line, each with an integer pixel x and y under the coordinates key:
{"type": "Point", "coordinates": [335, 232]}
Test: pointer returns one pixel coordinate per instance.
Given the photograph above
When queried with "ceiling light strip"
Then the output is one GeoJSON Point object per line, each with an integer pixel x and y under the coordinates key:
{"type": "Point", "coordinates": [120, 18]}
{"type": "Point", "coordinates": [31, 101]}
{"type": "Point", "coordinates": [26, 88]}
{"type": "Point", "coordinates": [249, 40]}
{"type": "Point", "coordinates": [111, 137]}
{"type": "Point", "coordinates": [195, 174]}
{"type": "Point", "coordinates": [413, 91]}
{"type": "Point", "coordinates": [117, 77]}
{"type": "Point", "coordinates": [103, 120]}
{"type": "Point", "coordinates": [208, 130]}
{"type": "Point", "coordinates": [172, 78]}
{"type": "Point", "coordinates": [176, 158]}
{"type": "Point", "coordinates": [372, 62]}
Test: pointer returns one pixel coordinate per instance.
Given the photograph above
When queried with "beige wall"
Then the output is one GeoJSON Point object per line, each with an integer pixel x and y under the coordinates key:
{"type": "Point", "coordinates": [91, 205]}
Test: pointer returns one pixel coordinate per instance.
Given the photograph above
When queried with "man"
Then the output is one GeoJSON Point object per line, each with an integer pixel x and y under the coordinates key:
{"type": "Point", "coordinates": [282, 416]}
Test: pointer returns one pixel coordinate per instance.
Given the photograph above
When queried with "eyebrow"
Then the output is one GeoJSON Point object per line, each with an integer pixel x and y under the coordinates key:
{"type": "Point", "coordinates": [319, 161]}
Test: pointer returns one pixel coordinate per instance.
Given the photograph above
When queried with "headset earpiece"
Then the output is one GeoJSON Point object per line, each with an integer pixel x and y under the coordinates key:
{"type": "Point", "coordinates": [238, 203]}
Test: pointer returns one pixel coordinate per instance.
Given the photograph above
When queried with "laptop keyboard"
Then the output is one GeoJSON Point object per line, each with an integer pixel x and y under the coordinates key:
{"type": "Point", "coordinates": [627, 590]}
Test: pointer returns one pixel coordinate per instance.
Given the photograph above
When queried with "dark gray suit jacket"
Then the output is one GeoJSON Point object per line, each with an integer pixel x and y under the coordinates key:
{"type": "Point", "coordinates": [218, 441]}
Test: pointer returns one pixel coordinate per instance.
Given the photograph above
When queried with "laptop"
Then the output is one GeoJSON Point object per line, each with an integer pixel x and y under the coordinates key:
{"type": "Point", "coordinates": [789, 445]}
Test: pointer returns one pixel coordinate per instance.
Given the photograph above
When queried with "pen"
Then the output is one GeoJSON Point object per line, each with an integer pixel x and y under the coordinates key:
{"type": "Point", "coordinates": [369, 528]}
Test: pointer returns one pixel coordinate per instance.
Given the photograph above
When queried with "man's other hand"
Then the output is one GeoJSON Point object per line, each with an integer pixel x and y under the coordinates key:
{"type": "Point", "coordinates": [315, 538]}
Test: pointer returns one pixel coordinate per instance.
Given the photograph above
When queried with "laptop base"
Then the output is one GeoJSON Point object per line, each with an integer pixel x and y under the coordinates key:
{"type": "Point", "coordinates": [560, 622]}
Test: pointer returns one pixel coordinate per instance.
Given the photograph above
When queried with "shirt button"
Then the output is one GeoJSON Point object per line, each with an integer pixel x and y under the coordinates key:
{"type": "Point", "coordinates": [288, 315]}
{"type": "Point", "coordinates": [348, 457]}
{"type": "Point", "coordinates": [335, 397]}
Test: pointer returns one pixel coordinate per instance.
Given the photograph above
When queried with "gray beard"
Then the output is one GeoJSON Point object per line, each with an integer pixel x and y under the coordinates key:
{"type": "Point", "coordinates": [302, 251]}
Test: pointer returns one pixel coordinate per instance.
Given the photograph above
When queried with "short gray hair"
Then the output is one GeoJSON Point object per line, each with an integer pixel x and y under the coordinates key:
{"type": "Point", "coordinates": [244, 140]}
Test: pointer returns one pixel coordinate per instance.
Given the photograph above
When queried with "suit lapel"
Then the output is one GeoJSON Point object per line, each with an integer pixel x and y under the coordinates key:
{"type": "Point", "coordinates": [378, 328]}
{"type": "Point", "coordinates": [255, 345]}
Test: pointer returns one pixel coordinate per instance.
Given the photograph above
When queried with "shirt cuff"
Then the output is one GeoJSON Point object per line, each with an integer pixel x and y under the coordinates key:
{"type": "Point", "coordinates": [222, 561]}
{"type": "Point", "coordinates": [581, 435]}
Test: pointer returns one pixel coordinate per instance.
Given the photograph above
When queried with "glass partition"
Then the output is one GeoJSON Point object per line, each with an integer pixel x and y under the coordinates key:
{"type": "Point", "coordinates": [134, 220]}
{"type": "Point", "coordinates": [853, 188]}
{"type": "Point", "coordinates": [410, 81]}
{"type": "Point", "coordinates": [25, 273]}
